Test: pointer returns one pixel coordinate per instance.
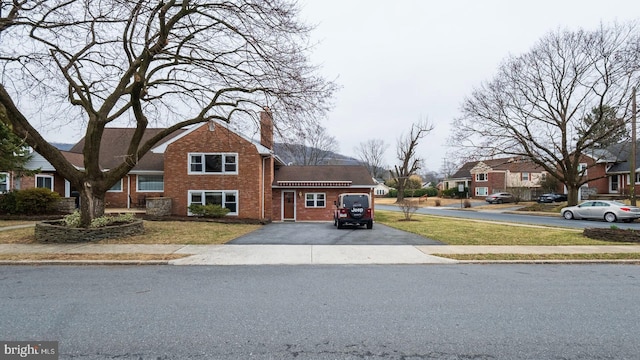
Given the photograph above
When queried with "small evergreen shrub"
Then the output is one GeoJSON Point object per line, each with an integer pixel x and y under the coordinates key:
{"type": "Point", "coordinates": [211, 210]}
{"type": "Point", "coordinates": [35, 201]}
{"type": "Point", "coordinates": [467, 204]}
{"type": "Point", "coordinates": [8, 202]}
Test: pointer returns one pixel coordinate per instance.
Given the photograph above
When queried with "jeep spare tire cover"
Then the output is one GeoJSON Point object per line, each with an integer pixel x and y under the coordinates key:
{"type": "Point", "coordinates": [356, 211]}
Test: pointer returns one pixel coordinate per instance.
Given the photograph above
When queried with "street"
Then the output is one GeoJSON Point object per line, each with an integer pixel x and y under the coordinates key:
{"type": "Point", "coordinates": [524, 218]}
{"type": "Point", "coordinates": [326, 312]}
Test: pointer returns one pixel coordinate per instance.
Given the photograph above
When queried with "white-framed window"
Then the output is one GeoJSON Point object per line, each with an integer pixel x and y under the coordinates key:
{"type": "Point", "coordinates": [628, 177]}
{"type": "Point", "coordinates": [315, 200]}
{"type": "Point", "coordinates": [482, 191]}
{"type": "Point", "coordinates": [482, 177]}
{"type": "Point", "coordinates": [4, 182]}
{"type": "Point", "coordinates": [582, 169]}
{"type": "Point", "coordinates": [614, 183]}
{"type": "Point", "coordinates": [213, 163]}
{"type": "Point", "coordinates": [44, 181]}
{"type": "Point", "coordinates": [525, 176]}
{"type": "Point", "coordinates": [150, 183]}
{"type": "Point", "coordinates": [117, 187]}
{"type": "Point", "coordinates": [225, 198]}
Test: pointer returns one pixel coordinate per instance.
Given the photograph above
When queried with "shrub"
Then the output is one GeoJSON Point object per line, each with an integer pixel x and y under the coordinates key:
{"type": "Point", "coordinates": [8, 202]}
{"type": "Point", "coordinates": [453, 193]}
{"type": "Point", "coordinates": [415, 192]}
{"type": "Point", "coordinates": [211, 210]}
{"type": "Point", "coordinates": [73, 220]}
{"type": "Point", "coordinates": [35, 201]}
{"type": "Point", "coordinates": [467, 204]}
{"type": "Point", "coordinates": [438, 202]}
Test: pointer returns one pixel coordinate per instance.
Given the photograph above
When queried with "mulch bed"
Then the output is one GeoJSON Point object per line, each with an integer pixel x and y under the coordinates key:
{"type": "Point", "coordinates": [614, 235]}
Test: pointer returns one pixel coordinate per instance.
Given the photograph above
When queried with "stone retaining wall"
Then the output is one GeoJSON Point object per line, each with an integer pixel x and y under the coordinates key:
{"type": "Point", "coordinates": [52, 232]}
{"type": "Point", "coordinates": [66, 205]}
{"type": "Point", "coordinates": [159, 206]}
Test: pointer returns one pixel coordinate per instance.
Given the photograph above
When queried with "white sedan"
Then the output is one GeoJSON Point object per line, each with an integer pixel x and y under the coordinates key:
{"type": "Point", "coordinates": [611, 211]}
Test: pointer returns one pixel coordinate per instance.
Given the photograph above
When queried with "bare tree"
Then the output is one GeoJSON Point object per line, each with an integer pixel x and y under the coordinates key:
{"type": "Point", "coordinates": [165, 63]}
{"type": "Point", "coordinates": [371, 153]}
{"type": "Point", "coordinates": [312, 146]}
{"type": "Point", "coordinates": [540, 105]}
{"type": "Point", "coordinates": [406, 152]}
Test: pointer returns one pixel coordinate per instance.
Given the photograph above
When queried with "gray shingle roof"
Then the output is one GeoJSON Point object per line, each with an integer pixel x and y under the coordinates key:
{"type": "Point", "coordinates": [356, 174]}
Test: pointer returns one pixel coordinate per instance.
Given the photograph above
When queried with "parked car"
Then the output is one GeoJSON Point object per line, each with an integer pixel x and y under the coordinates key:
{"type": "Point", "coordinates": [499, 198]}
{"type": "Point", "coordinates": [353, 209]}
{"type": "Point", "coordinates": [551, 198]}
{"type": "Point", "coordinates": [610, 211]}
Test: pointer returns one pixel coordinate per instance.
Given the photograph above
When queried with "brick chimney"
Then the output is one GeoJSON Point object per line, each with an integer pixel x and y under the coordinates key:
{"type": "Point", "coordinates": [266, 128]}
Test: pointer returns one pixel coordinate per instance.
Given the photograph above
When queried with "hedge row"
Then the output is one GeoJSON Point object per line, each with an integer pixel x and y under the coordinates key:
{"type": "Point", "coordinates": [35, 201]}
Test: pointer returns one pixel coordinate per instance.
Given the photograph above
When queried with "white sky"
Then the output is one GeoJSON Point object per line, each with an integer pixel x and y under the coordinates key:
{"type": "Point", "coordinates": [400, 61]}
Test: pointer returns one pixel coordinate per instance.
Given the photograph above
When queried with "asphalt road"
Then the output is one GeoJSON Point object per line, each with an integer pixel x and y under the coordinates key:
{"type": "Point", "coordinates": [326, 312]}
{"type": "Point", "coordinates": [556, 221]}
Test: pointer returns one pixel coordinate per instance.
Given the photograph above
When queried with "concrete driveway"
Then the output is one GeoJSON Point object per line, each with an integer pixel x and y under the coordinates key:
{"type": "Point", "coordinates": [321, 233]}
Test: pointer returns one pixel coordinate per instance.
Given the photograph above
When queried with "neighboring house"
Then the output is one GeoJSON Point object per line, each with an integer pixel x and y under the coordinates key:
{"type": "Point", "coordinates": [460, 177]}
{"type": "Point", "coordinates": [489, 176]}
{"type": "Point", "coordinates": [211, 164]}
{"type": "Point", "coordinates": [380, 189]}
{"type": "Point", "coordinates": [608, 171]}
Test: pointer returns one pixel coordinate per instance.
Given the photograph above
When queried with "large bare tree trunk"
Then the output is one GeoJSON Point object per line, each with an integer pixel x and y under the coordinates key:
{"type": "Point", "coordinates": [91, 205]}
{"type": "Point", "coordinates": [572, 195]}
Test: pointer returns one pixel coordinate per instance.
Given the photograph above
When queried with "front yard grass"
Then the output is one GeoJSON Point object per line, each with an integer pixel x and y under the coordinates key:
{"type": "Point", "coordinates": [469, 232]}
{"type": "Point", "coordinates": [156, 232]}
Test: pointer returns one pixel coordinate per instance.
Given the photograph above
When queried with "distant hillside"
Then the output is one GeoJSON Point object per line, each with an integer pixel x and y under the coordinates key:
{"type": "Point", "coordinates": [281, 151]}
{"type": "Point", "coordinates": [297, 157]}
{"type": "Point", "coordinates": [63, 146]}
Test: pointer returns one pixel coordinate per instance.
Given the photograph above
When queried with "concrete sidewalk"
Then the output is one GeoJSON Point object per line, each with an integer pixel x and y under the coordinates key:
{"type": "Point", "coordinates": [301, 254]}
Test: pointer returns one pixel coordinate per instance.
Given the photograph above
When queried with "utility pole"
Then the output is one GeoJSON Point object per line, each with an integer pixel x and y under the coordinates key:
{"type": "Point", "coordinates": [632, 157]}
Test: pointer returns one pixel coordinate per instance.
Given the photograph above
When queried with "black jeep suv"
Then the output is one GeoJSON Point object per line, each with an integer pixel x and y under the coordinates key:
{"type": "Point", "coordinates": [353, 209]}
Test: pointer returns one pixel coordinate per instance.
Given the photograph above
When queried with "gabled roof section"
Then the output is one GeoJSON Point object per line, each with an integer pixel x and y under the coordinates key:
{"type": "Point", "coordinates": [323, 176]}
{"type": "Point", "coordinates": [512, 164]}
{"type": "Point", "coordinates": [115, 142]}
{"type": "Point", "coordinates": [160, 149]}
{"type": "Point", "coordinates": [624, 166]}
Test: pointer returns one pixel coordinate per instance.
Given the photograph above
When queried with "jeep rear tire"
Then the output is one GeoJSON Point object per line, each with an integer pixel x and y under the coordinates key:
{"type": "Point", "coordinates": [370, 225]}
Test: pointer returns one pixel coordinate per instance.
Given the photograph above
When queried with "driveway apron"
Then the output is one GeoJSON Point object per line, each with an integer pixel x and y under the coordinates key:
{"type": "Point", "coordinates": [321, 233]}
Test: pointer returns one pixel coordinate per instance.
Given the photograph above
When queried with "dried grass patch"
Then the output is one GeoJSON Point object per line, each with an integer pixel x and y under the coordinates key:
{"type": "Point", "coordinates": [122, 257]}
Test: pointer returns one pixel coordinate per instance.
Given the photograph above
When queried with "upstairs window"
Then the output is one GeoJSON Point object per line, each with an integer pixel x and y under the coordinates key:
{"type": "Point", "coordinates": [525, 176]}
{"type": "Point", "coordinates": [481, 177]}
{"type": "Point", "coordinates": [582, 169]}
{"type": "Point", "coordinates": [216, 163]}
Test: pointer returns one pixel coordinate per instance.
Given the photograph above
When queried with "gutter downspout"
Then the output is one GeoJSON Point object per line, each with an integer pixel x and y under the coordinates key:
{"type": "Point", "coordinates": [128, 192]}
{"type": "Point", "coordinates": [262, 190]}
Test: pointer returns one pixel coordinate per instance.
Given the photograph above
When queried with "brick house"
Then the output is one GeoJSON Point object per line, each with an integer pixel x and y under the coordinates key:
{"type": "Point", "coordinates": [210, 163]}
{"type": "Point", "coordinates": [608, 172]}
{"type": "Point", "coordinates": [497, 175]}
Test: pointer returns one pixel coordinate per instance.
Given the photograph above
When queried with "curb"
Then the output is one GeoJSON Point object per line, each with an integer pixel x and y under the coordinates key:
{"type": "Point", "coordinates": [83, 262]}
{"type": "Point", "coordinates": [167, 262]}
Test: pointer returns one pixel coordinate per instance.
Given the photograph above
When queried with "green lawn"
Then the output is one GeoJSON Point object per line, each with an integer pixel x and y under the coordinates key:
{"type": "Point", "coordinates": [469, 232]}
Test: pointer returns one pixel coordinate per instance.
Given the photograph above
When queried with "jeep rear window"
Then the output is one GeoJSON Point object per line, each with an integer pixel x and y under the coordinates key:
{"type": "Point", "coordinates": [349, 200]}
